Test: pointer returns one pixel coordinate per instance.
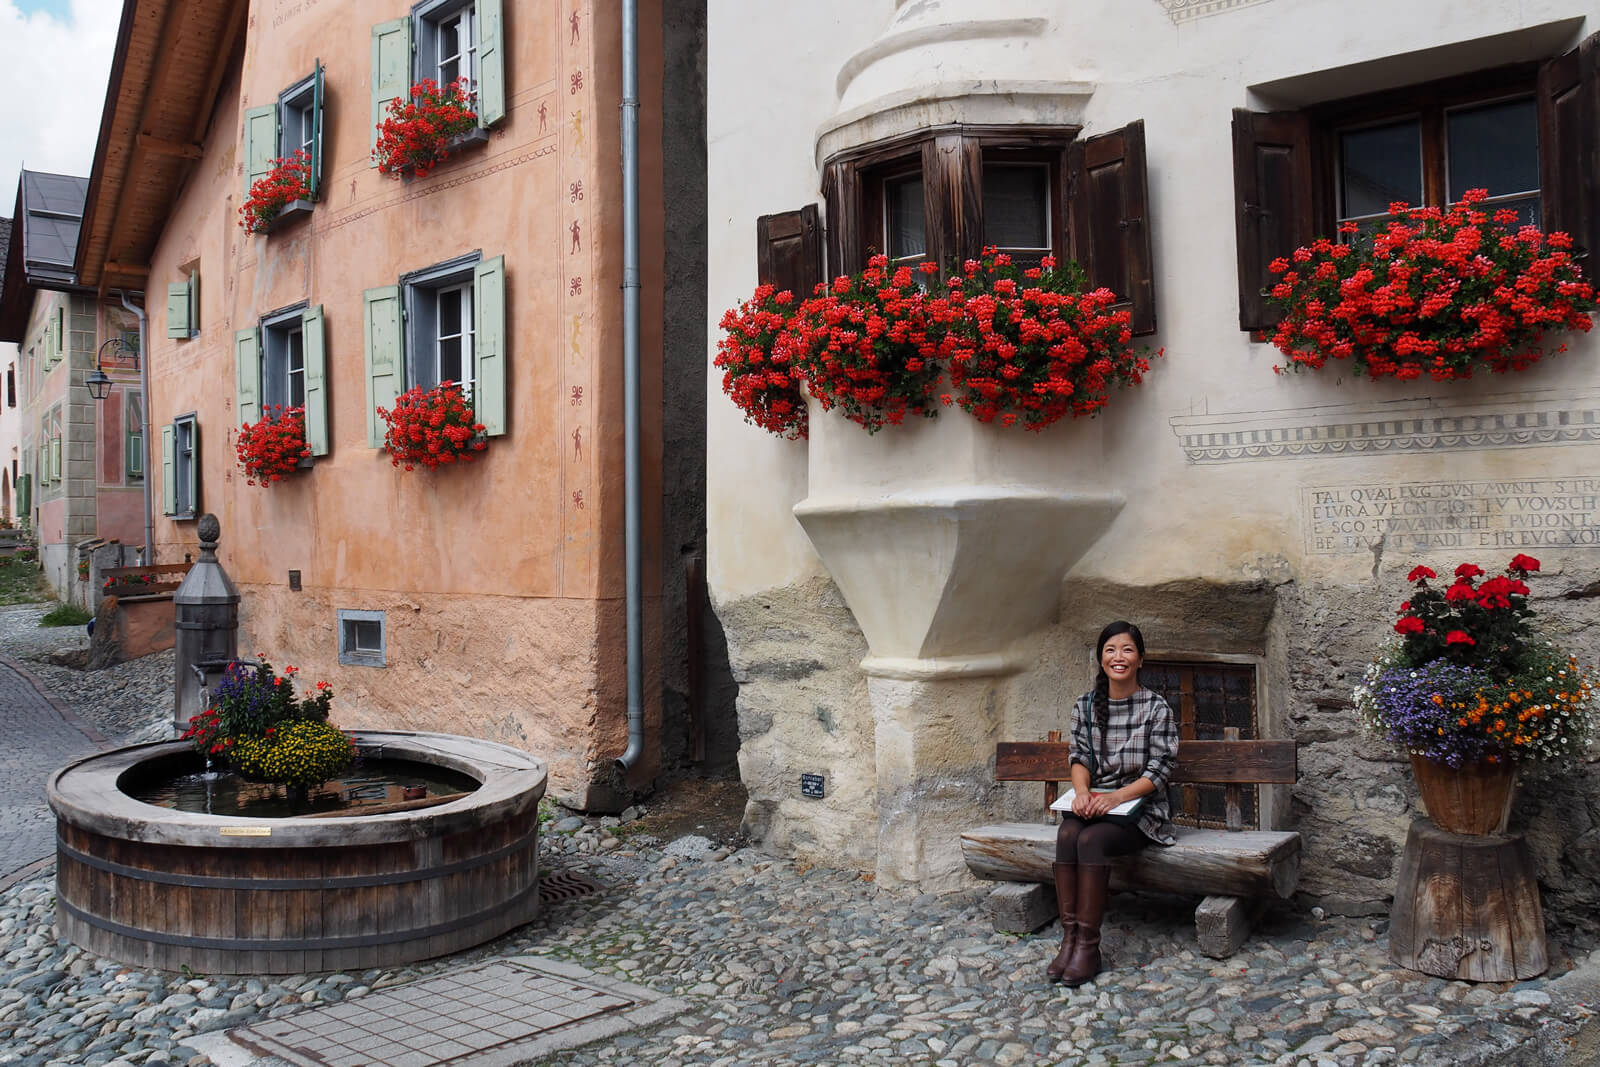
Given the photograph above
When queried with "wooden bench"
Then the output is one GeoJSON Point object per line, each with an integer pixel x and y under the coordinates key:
{"type": "Point", "coordinates": [1230, 867]}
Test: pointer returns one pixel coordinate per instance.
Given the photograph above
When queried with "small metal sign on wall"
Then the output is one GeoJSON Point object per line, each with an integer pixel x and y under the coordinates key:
{"type": "Point", "coordinates": [811, 785]}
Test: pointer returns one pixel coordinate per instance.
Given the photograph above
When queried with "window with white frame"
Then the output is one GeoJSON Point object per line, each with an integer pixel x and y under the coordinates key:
{"type": "Point", "coordinates": [446, 323]}
{"type": "Point", "coordinates": [180, 467]}
{"type": "Point", "coordinates": [439, 314]}
{"type": "Point", "coordinates": [283, 360]}
{"type": "Point", "coordinates": [447, 41]}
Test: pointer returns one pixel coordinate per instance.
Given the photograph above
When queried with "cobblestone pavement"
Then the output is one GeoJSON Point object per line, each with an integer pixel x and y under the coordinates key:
{"type": "Point", "coordinates": [39, 738]}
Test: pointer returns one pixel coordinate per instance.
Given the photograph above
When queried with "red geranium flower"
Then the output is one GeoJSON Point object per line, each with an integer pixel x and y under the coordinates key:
{"type": "Point", "coordinates": [1409, 625]}
{"type": "Point", "coordinates": [1523, 563]}
{"type": "Point", "coordinates": [1458, 637]}
{"type": "Point", "coordinates": [1419, 573]}
{"type": "Point", "coordinates": [1468, 570]}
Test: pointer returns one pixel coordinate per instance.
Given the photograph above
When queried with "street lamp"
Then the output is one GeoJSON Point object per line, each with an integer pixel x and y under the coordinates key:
{"type": "Point", "coordinates": [99, 384]}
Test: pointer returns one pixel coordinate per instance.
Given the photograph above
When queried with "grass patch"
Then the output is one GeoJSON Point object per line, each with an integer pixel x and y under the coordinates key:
{"type": "Point", "coordinates": [21, 582]}
{"type": "Point", "coordinates": [65, 615]}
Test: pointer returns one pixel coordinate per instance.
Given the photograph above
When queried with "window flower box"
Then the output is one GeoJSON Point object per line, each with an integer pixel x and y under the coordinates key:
{"type": "Point", "coordinates": [1431, 292]}
{"type": "Point", "coordinates": [292, 211]}
{"type": "Point", "coordinates": [419, 133]}
{"type": "Point", "coordinates": [284, 193]}
{"type": "Point", "coordinates": [432, 427]}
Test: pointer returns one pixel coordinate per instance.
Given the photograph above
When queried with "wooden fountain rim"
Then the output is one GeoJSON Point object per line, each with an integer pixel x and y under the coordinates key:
{"type": "Point", "coordinates": [85, 793]}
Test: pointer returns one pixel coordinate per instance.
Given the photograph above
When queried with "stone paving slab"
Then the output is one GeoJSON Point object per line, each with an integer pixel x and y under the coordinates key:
{"type": "Point", "coordinates": [506, 1012]}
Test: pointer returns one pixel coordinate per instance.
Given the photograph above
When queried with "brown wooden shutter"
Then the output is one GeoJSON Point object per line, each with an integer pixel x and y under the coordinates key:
{"type": "Point", "coordinates": [1108, 202]}
{"type": "Point", "coordinates": [789, 250]}
{"type": "Point", "coordinates": [1274, 203]}
{"type": "Point", "coordinates": [1569, 149]}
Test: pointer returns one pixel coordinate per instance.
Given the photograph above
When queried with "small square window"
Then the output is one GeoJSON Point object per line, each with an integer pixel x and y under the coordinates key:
{"type": "Point", "coordinates": [362, 639]}
{"type": "Point", "coordinates": [133, 445]}
{"type": "Point", "coordinates": [1016, 210]}
{"type": "Point", "coordinates": [905, 231]}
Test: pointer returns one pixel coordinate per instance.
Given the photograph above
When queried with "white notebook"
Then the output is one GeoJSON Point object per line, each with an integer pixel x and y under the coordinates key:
{"type": "Point", "coordinates": [1064, 803]}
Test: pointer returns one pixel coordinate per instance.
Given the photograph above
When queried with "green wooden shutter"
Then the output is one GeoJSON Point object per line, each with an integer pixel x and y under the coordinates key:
{"type": "Point", "coordinates": [391, 68]}
{"type": "Point", "coordinates": [55, 458]}
{"type": "Point", "coordinates": [381, 316]}
{"type": "Point", "coordinates": [491, 64]}
{"type": "Point", "coordinates": [247, 374]}
{"type": "Point", "coordinates": [25, 498]}
{"type": "Point", "coordinates": [315, 183]}
{"type": "Point", "coordinates": [194, 303]}
{"type": "Point", "coordinates": [316, 381]}
{"type": "Point", "coordinates": [178, 310]}
{"type": "Point", "coordinates": [260, 143]}
{"type": "Point", "coordinates": [489, 344]}
{"type": "Point", "coordinates": [61, 331]}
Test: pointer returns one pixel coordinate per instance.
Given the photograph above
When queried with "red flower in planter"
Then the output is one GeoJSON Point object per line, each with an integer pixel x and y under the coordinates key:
{"type": "Point", "coordinates": [1435, 292]}
{"type": "Point", "coordinates": [415, 135]}
{"type": "Point", "coordinates": [1033, 346]}
{"type": "Point", "coordinates": [864, 345]}
{"type": "Point", "coordinates": [288, 180]}
{"type": "Point", "coordinates": [759, 378]}
{"type": "Point", "coordinates": [273, 445]}
{"type": "Point", "coordinates": [432, 428]}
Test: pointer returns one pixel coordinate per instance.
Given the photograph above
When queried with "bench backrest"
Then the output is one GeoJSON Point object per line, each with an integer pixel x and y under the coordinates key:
{"type": "Point", "coordinates": [1231, 763]}
{"type": "Point", "coordinates": [144, 581]}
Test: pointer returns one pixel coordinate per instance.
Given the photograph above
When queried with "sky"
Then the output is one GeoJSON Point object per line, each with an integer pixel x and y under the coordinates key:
{"type": "Point", "coordinates": [54, 59]}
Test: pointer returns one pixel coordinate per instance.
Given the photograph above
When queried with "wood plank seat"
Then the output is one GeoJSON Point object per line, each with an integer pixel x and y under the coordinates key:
{"type": "Point", "coordinates": [1229, 866]}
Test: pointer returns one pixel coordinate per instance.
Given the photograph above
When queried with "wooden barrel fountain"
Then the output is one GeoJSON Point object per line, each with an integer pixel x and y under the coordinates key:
{"type": "Point", "coordinates": [163, 888]}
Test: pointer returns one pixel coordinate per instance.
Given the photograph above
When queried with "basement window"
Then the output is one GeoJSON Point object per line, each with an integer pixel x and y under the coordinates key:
{"type": "Point", "coordinates": [363, 641]}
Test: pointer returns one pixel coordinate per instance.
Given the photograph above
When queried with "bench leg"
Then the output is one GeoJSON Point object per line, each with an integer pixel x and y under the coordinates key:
{"type": "Point", "coordinates": [1221, 924]}
{"type": "Point", "coordinates": [1021, 907]}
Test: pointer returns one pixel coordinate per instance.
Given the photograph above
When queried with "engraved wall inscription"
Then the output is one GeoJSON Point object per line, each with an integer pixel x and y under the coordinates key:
{"type": "Point", "coordinates": [1561, 513]}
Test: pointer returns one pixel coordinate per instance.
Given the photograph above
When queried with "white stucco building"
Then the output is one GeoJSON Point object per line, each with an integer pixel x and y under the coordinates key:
{"type": "Point", "coordinates": [895, 604]}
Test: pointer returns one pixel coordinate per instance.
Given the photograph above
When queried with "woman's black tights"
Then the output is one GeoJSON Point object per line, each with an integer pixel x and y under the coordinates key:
{"type": "Point", "coordinates": [1094, 842]}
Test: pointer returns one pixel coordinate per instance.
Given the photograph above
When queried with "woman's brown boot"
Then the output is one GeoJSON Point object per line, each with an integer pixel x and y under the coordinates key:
{"type": "Point", "coordinates": [1067, 904]}
{"type": "Point", "coordinates": [1084, 963]}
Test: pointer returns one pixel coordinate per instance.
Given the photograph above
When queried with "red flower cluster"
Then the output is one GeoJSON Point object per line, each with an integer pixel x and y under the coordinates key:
{"type": "Point", "coordinates": [1032, 346]}
{"type": "Point", "coordinates": [273, 445]}
{"type": "Point", "coordinates": [206, 733]}
{"type": "Point", "coordinates": [415, 135]}
{"type": "Point", "coordinates": [431, 427]}
{"type": "Point", "coordinates": [864, 344]}
{"type": "Point", "coordinates": [755, 374]}
{"type": "Point", "coordinates": [1434, 292]}
{"type": "Point", "coordinates": [1482, 626]}
{"type": "Point", "coordinates": [288, 180]}
{"type": "Point", "coordinates": [1018, 346]}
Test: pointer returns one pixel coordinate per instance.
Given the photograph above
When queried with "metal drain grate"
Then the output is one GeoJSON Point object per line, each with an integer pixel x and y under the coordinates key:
{"type": "Point", "coordinates": [560, 886]}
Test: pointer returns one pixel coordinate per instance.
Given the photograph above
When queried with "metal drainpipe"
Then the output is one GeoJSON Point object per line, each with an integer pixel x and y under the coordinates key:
{"type": "Point", "coordinates": [630, 380]}
{"type": "Point", "coordinates": [144, 387]}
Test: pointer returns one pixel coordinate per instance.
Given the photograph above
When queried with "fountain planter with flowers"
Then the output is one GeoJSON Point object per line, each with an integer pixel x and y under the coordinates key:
{"type": "Point", "coordinates": [432, 428]}
{"type": "Point", "coordinates": [1475, 698]}
{"type": "Point", "coordinates": [1432, 292]}
{"type": "Point", "coordinates": [947, 531]}
{"type": "Point", "coordinates": [419, 133]}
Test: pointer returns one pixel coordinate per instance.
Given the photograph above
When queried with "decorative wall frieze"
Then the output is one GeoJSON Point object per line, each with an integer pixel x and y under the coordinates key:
{"type": "Point", "coordinates": [1181, 11]}
{"type": "Point", "coordinates": [1526, 420]}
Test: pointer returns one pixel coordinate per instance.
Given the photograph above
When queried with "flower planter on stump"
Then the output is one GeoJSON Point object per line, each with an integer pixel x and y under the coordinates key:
{"type": "Point", "coordinates": [1474, 799]}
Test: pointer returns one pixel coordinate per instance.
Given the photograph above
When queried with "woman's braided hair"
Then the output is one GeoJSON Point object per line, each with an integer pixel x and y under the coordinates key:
{"type": "Point", "coordinates": [1102, 683]}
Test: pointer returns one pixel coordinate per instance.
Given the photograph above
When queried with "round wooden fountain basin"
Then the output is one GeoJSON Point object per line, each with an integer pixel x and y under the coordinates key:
{"type": "Point", "coordinates": [162, 888]}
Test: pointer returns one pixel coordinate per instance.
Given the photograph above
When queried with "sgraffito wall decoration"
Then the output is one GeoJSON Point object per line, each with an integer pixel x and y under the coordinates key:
{"type": "Point", "coordinates": [1181, 11]}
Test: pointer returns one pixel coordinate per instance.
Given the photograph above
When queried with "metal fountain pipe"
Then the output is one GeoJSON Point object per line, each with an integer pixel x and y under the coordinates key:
{"type": "Point", "coordinates": [144, 388]}
{"type": "Point", "coordinates": [630, 380]}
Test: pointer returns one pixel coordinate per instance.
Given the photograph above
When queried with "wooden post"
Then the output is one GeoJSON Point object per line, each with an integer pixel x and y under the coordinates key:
{"type": "Point", "coordinates": [1051, 789]}
{"type": "Point", "coordinates": [1467, 907]}
{"type": "Point", "coordinates": [1233, 791]}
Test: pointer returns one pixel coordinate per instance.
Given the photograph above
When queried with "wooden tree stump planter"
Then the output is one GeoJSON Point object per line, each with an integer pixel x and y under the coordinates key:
{"type": "Point", "coordinates": [1467, 907]}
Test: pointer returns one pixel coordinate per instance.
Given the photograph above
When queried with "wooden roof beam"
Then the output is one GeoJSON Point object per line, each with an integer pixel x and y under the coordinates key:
{"type": "Point", "coordinates": [131, 270]}
{"type": "Point", "coordinates": [162, 147]}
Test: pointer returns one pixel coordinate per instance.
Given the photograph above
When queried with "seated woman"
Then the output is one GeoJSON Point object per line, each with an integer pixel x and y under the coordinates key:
{"type": "Point", "coordinates": [1124, 742]}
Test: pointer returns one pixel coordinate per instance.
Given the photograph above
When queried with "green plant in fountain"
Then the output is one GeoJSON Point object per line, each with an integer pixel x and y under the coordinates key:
{"type": "Point", "coordinates": [259, 725]}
